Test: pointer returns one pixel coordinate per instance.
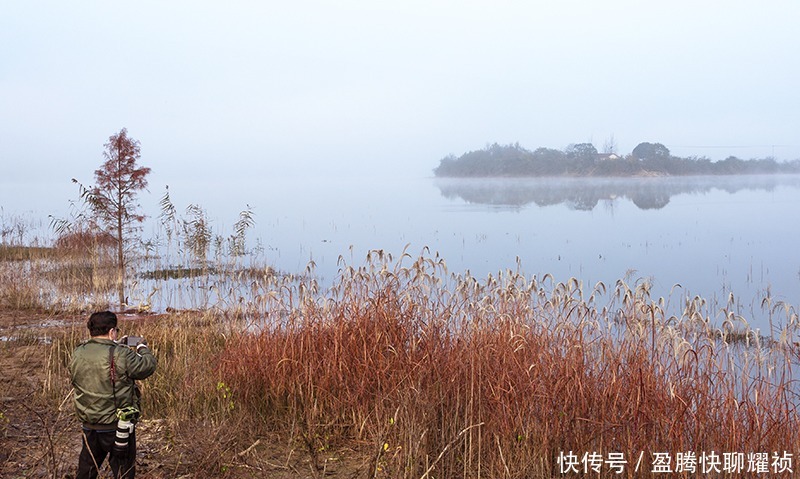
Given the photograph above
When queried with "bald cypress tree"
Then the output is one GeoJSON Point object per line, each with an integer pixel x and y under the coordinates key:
{"type": "Point", "coordinates": [113, 200]}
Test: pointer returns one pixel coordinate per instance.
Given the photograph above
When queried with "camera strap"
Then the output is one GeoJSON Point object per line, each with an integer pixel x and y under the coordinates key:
{"type": "Point", "coordinates": [113, 374]}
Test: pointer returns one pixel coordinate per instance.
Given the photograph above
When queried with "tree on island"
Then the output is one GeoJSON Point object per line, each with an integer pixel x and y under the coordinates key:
{"type": "Point", "coordinates": [650, 151]}
{"type": "Point", "coordinates": [113, 201]}
{"type": "Point", "coordinates": [583, 155]}
{"type": "Point", "coordinates": [583, 159]}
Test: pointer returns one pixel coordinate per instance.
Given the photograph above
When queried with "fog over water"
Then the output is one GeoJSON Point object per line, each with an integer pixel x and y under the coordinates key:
{"type": "Point", "coordinates": [328, 117]}
{"type": "Point", "coordinates": [712, 236]}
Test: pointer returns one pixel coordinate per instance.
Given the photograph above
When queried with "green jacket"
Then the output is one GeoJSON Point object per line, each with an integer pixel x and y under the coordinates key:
{"type": "Point", "coordinates": [96, 399]}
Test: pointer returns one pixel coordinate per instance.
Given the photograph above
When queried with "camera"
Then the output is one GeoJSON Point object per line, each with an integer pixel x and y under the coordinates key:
{"type": "Point", "coordinates": [131, 341]}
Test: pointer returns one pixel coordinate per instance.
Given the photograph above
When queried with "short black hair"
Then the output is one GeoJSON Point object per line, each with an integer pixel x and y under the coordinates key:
{"type": "Point", "coordinates": [101, 322]}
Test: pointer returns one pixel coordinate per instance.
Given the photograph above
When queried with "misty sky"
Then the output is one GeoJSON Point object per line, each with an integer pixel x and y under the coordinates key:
{"type": "Point", "coordinates": [269, 89]}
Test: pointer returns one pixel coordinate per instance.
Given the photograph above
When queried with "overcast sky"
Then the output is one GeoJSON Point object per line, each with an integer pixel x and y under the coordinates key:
{"type": "Point", "coordinates": [268, 88]}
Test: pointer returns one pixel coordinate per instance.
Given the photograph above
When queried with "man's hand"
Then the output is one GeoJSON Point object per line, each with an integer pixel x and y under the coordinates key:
{"type": "Point", "coordinates": [142, 344]}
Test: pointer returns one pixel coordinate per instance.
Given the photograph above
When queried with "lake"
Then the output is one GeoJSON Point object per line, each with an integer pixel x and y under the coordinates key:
{"type": "Point", "coordinates": [709, 235]}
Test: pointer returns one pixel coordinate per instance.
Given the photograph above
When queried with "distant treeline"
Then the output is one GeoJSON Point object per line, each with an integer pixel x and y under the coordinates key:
{"type": "Point", "coordinates": [583, 159]}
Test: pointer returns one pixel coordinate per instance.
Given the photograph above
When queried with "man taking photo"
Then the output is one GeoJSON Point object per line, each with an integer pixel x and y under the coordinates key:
{"type": "Point", "coordinates": [106, 397]}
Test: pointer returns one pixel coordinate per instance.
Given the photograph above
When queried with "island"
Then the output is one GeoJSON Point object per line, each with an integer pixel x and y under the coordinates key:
{"type": "Point", "coordinates": [583, 160]}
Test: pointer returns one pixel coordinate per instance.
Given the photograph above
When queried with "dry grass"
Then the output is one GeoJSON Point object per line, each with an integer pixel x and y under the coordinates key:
{"type": "Point", "coordinates": [429, 374]}
{"type": "Point", "coordinates": [54, 278]}
{"type": "Point", "coordinates": [496, 378]}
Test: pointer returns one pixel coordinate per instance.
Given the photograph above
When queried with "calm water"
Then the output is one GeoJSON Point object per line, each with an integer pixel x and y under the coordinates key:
{"type": "Point", "coordinates": [712, 236]}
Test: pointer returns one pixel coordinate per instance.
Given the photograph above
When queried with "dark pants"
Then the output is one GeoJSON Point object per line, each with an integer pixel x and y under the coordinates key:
{"type": "Point", "coordinates": [96, 446]}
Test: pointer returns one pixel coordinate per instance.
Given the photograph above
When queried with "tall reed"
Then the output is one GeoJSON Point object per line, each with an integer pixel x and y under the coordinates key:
{"type": "Point", "coordinates": [458, 377]}
{"type": "Point", "coordinates": [432, 374]}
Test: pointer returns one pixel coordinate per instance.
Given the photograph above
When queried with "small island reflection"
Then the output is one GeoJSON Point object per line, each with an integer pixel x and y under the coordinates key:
{"type": "Point", "coordinates": [586, 193]}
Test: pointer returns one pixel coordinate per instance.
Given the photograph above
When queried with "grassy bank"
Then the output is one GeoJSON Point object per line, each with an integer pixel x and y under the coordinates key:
{"type": "Point", "coordinates": [503, 377]}
{"type": "Point", "coordinates": [404, 370]}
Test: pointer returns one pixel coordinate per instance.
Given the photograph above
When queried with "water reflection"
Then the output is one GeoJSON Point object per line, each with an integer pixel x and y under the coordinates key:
{"type": "Point", "coordinates": [585, 193]}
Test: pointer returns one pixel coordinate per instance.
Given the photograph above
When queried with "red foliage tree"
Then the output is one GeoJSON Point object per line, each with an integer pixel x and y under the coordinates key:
{"type": "Point", "coordinates": [113, 201]}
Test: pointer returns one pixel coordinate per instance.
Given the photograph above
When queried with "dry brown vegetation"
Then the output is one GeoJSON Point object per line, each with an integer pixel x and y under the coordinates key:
{"type": "Point", "coordinates": [498, 377]}
{"type": "Point", "coordinates": [404, 370]}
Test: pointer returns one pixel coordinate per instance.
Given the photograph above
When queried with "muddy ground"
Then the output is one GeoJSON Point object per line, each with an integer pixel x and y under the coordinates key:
{"type": "Point", "coordinates": [39, 438]}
